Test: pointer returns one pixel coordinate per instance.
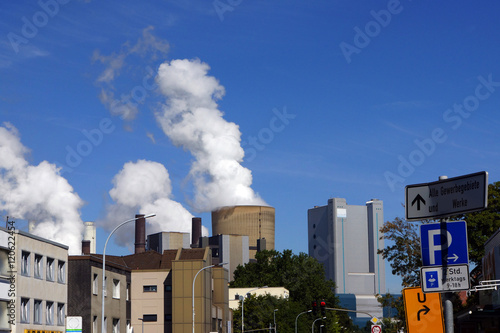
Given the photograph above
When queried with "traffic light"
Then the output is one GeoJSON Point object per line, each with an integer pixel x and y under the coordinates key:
{"type": "Point", "coordinates": [315, 308]}
{"type": "Point", "coordinates": [323, 308]}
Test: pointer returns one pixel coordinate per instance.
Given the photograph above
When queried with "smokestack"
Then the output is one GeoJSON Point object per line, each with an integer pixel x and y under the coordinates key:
{"type": "Point", "coordinates": [140, 234]}
{"type": "Point", "coordinates": [85, 247]}
{"type": "Point", "coordinates": [196, 231]}
{"type": "Point", "coordinates": [31, 226]}
{"type": "Point", "coordinates": [90, 235]}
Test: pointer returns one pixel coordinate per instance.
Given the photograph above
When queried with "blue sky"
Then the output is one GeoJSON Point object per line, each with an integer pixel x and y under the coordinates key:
{"type": "Point", "coordinates": [331, 99]}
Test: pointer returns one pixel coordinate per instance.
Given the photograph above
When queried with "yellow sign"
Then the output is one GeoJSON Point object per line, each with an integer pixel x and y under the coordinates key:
{"type": "Point", "coordinates": [424, 312]}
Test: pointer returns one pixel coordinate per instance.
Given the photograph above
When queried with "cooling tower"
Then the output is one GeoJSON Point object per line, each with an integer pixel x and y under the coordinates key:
{"type": "Point", "coordinates": [253, 221]}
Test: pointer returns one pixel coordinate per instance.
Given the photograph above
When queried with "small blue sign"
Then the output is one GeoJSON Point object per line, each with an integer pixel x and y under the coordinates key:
{"type": "Point", "coordinates": [444, 243]}
{"type": "Point", "coordinates": [431, 279]}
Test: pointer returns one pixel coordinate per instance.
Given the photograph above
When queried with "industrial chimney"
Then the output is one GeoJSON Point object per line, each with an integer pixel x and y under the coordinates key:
{"type": "Point", "coordinates": [195, 232]}
{"type": "Point", "coordinates": [140, 234]}
{"type": "Point", "coordinates": [86, 247]}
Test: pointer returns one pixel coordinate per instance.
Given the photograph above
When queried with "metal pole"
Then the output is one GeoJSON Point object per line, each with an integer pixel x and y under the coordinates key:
{"type": "Point", "coordinates": [447, 304]}
{"type": "Point", "coordinates": [142, 320]}
{"type": "Point", "coordinates": [242, 303]}
{"type": "Point", "coordinates": [242, 316]}
{"type": "Point", "coordinates": [194, 280]}
{"type": "Point", "coordinates": [103, 328]}
{"type": "Point", "coordinates": [308, 311]}
{"type": "Point", "coordinates": [274, 313]}
{"type": "Point", "coordinates": [314, 322]}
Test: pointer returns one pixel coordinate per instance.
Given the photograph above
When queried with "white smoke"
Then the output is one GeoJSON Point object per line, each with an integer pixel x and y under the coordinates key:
{"type": "Point", "coordinates": [191, 120]}
{"type": "Point", "coordinates": [125, 103]}
{"type": "Point", "coordinates": [38, 193]}
{"type": "Point", "coordinates": [145, 186]}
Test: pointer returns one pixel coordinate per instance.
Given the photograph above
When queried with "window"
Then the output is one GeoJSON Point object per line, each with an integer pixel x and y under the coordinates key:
{"type": "Point", "coordinates": [4, 263]}
{"type": "Point", "coordinates": [128, 291]}
{"type": "Point", "coordinates": [95, 284]}
{"type": "Point", "coordinates": [168, 317]}
{"type": "Point", "coordinates": [25, 263]}
{"type": "Point", "coordinates": [116, 325]}
{"type": "Point", "coordinates": [25, 310]}
{"type": "Point", "coordinates": [60, 314]}
{"type": "Point", "coordinates": [149, 289]}
{"type": "Point", "coordinates": [94, 324]}
{"type": "Point", "coordinates": [149, 317]}
{"type": "Point", "coordinates": [61, 271]}
{"type": "Point", "coordinates": [116, 288]}
{"type": "Point", "coordinates": [37, 312]}
{"type": "Point", "coordinates": [4, 316]}
{"type": "Point", "coordinates": [38, 269]}
{"type": "Point", "coordinates": [168, 287]}
{"type": "Point", "coordinates": [50, 269]}
{"type": "Point", "coordinates": [49, 313]}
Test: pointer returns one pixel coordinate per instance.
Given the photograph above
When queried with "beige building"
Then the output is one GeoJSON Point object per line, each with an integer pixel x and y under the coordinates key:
{"type": "Point", "coordinates": [161, 291]}
{"type": "Point", "coordinates": [85, 293]}
{"type": "Point", "coordinates": [235, 294]}
{"type": "Point", "coordinates": [40, 275]}
{"type": "Point", "coordinates": [256, 222]}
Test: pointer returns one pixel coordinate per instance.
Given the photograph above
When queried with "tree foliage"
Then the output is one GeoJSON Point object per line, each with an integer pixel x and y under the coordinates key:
{"type": "Point", "coordinates": [482, 225]}
{"type": "Point", "coordinates": [404, 254]}
{"type": "Point", "coordinates": [302, 275]}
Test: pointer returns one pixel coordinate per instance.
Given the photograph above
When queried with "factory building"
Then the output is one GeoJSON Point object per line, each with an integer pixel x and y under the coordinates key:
{"type": "Point", "coordinates": [345, 239]}
{"type": "Point", "coordinates": [256, 222]}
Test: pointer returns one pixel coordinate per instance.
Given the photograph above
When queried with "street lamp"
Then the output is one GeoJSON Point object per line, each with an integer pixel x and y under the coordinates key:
{"type": "Point", "coordinates": [308, 311]}
{"type": "Point", "coordinates": [142, 319]}
{"type": "Point", "coordinates": [194, 280]}
{"type": "Point", "coordinates": [274, 315]}
{"type": "Point", "coordinates": [314, 322]}
{"type": "Point", "coordinates": [242, 303]}
{"type": "Point", "coordinates": [103, 328]}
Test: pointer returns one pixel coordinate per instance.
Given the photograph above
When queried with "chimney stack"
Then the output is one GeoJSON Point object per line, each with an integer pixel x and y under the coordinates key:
{"type": "Point", "coordinates": [140, 234]}
{"type": "Point", "coordinates": [85, 247]}
{"type": "Point", "coordinates": [195, 231]}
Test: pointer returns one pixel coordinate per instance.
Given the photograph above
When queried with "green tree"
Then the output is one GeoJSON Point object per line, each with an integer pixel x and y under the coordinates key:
{"type": "Point", "coordinates": [483, 224]}
{"type": "Point", "coordinates": [404, 253]}
{"type": "Point", "coordinates": [303, 276]}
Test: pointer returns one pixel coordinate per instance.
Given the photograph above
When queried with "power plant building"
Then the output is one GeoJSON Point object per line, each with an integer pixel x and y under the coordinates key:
{"type": "Point", "coordinates": [345, 239]}
{"type": "Point", "coordinates": [256, 222]}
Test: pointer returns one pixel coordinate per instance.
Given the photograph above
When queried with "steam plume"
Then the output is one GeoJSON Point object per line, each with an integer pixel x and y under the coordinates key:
{"type": "Point", "coordinates": [145, 186]}
{"type": "Point", "coordinates": [38, 193]}
{"type": "Point", "coordinates": [191, 119]}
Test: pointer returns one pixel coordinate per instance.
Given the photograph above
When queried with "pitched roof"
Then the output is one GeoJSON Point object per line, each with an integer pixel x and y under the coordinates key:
{"type": "Point", "coordinates": [152, 259]}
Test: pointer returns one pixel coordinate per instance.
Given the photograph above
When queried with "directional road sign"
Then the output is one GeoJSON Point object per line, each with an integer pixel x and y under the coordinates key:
{"type": "Point", "coordinates": [424, 312]}
{"type": "Point", "coordinates": [444, 279]}
{"type": "Point", "coordinates": [444, 243]}
{"type": "Point", "coordinates": [447, 197]}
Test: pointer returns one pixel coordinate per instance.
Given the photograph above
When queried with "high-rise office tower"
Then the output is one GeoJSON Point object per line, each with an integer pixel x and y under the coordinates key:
{"type": "Point", "coordinates": [345, 239]}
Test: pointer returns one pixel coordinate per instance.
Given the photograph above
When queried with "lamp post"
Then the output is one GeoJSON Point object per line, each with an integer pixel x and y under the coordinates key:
{"type": "Point", "coordinates": [274, 315]}
{"type": "Point", "coordinates": [308, 311]}
{"type": "Point", "coordinates": [103, 328]}
{"type": "Point", "coordinates": [314, 322]}
{"type": "Point", "coordinates": [242, 303]}
{"type": "Point", "coordinates": [142, 320]}
{"type": "Point", "coordinates": [194, 280]}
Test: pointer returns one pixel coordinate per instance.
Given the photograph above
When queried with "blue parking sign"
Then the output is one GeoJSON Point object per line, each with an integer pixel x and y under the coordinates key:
{"type": "Point", "coordinates": [431, 279]}
{"type": "Point", "coordinates": [444, 243]}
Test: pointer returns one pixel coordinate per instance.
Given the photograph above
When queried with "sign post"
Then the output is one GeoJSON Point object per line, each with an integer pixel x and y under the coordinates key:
{"type": "Point", "coordinates": [443, 244]}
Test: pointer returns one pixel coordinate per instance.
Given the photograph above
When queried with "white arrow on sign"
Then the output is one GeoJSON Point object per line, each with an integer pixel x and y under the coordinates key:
{"type": "Point", "coordinates": [454, 258]}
